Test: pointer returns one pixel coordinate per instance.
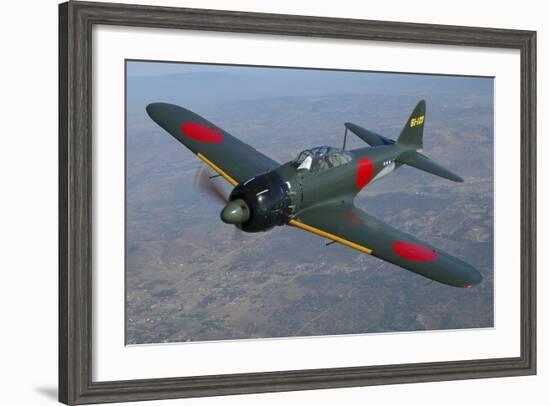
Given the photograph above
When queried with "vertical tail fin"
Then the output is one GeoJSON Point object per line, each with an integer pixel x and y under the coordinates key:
{"type": "Point", "coordinates": [411, 135]}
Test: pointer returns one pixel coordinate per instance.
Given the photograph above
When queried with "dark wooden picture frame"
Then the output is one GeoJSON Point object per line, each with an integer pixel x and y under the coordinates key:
{"type": "Point", "coordinates": [76, 20]}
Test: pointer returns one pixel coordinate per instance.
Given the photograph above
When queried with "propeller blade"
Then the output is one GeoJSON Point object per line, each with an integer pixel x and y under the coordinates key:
{"type": "Point", "coordinates": [206, 185]}
{"type": "Point", "coordinates": [237, 234]}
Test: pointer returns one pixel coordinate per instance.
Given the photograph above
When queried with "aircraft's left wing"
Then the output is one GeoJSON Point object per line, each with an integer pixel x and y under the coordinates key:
{"type": "Point", "coordinates": [346, 224]}
{"type": "Point", "coordinates": [230, 157]}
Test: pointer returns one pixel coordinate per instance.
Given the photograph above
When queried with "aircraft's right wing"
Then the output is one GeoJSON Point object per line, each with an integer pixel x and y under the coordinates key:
{"type": "Point", "coordinates": [350, 226]}
{"type": "Point", "coordinates": [227, 155]}
{"type": "Point", "coordinates": [422, 162]}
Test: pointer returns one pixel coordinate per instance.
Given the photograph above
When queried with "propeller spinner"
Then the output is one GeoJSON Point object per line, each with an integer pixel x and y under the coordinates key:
{"type": "Point", "coordinates": [235, 212]}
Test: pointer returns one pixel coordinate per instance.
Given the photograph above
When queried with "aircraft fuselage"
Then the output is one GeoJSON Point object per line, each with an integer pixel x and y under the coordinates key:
{"type": "Point", "coordinates": [309, 187]}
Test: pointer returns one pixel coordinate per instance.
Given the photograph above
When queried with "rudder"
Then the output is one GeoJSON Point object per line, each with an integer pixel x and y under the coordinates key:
{"type": "Point", "coordinates": [411, 135]}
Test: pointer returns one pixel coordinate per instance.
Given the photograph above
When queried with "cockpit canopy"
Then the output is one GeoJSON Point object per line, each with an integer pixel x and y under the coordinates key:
{"type": "Point", "coordinates": [322, 158]}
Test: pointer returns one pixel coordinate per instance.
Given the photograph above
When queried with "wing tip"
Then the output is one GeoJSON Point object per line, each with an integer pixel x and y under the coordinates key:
{"type": "Point", "coordinates": [153, 109]}
{"type": "Point", "coordinates": [457, 179]}
{"type": "Point", "coordinates": [473, 278]}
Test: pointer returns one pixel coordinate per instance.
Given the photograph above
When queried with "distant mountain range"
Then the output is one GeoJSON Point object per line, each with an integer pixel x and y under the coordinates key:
{"type": "Point", "coordinates": [196, 89]}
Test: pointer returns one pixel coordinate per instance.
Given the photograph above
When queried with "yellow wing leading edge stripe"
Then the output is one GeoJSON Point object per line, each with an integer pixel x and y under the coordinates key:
{"type": "Point", "coordinates": [330, 236]}
{"type": "Point", "coordinates": [217, 169]}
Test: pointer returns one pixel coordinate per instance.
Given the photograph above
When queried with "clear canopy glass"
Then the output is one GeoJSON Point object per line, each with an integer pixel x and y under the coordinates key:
{"type": "Point", "coordinates": [322, 158]}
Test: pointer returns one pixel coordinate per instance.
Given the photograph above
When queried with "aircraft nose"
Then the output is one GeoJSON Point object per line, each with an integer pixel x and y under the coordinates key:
{"type": "Point", "coordinates": [235, 212]}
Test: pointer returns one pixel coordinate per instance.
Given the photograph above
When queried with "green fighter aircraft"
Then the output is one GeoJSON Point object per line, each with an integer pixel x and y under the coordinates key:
{"type": "Point", "coordinates": [315, 192]}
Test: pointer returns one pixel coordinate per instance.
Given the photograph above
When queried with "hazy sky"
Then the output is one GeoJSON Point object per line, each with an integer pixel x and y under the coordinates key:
{"type": "Point", "coordinates": [201, 84]}
{"type": "Point", "coordinates": [148, 68]}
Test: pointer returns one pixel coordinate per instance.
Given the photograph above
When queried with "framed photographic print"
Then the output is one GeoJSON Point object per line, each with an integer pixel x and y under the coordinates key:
{"type": "Point", "coordinates": [257, 202]}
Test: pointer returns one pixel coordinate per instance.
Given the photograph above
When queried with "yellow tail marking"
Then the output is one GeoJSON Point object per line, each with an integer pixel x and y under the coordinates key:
{"type": "Point", "coordinates": [330, 236]}
{"type": "Point", "coordinates": [217, 169]}
{"type": "Point", "coordinates": [417, 121]}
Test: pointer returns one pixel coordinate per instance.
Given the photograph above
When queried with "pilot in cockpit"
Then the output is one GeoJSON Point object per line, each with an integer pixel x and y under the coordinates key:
{"type": "Point", "coordinates": [322, 158]}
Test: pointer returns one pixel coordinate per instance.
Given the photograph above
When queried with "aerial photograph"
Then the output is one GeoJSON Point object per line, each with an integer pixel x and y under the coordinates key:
{"type": "Point", "coordinates": [278, 202]}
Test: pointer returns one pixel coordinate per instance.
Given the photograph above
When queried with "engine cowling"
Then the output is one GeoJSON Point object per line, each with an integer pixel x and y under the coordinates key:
{"type": "Point", "coordinates": [267, 199]}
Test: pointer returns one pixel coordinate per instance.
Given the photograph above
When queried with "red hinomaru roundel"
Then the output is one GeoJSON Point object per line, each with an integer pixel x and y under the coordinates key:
{"type": "Point", "coordinates": [364, 173]}
{"type": "Point", "coordinates": [413, 251]}
{"type": "Point", "coordinates": [200, 132]}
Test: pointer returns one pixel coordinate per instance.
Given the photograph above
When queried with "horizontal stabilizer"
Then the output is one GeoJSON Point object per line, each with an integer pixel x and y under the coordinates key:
{"type": "Point", "coordinates": [424, 163]}
{"type": "Point", "coordinates": [369, 137]}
